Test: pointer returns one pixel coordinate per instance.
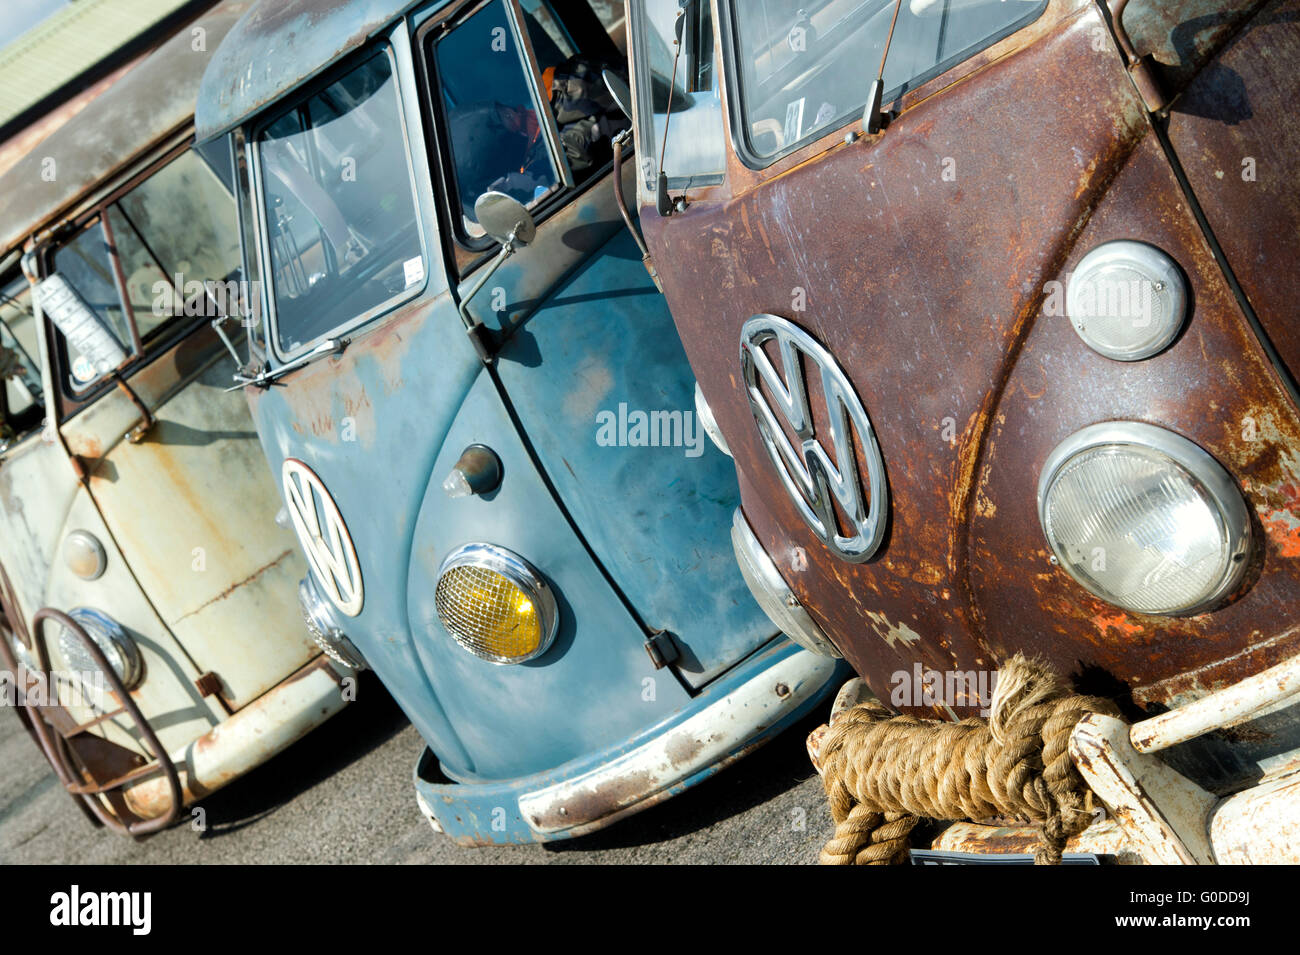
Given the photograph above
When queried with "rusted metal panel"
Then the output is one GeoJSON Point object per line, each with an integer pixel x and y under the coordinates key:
{"type": "Point", "coordinates": [167, 695]}
{"type": "Point", "coordinates": [26, 140]}
{"type": "Point", "coordinates": [280, 45]}
{"type": "Point", "coordinates": [143, 107]}
{"type": "Point", "coordinates": [249, 738]}
{"type": "Point", "coordinates": [925, 324]}
{"type": "Point", "coordinates": [1058, 386]}
{"type": "Point", "coordinates": [931, 294]}
{"type": "Point", "coordinates": [192, 509]}
{"type": "Point", "coordinates": [1236, 135]}
{"type": "Point", "coordinates": [1181, 36]}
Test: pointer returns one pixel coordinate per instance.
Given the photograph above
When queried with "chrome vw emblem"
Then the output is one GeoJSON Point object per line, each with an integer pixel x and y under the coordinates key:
{"type": "Point", "coordinates": [324, 537]}
{"type": "Point", "coordinates": [811, 478]}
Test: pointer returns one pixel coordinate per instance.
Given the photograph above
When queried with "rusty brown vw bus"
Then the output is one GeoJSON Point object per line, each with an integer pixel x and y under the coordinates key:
{"type": "Point", "coordinates": [993, 302]}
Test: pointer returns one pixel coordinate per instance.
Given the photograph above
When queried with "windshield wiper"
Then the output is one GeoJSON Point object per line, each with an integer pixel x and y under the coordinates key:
{"type": "Point", "coordinates": [331, 346]}
{"type": "Point", "coordinates": [873, 117]}
{"type": "Point", "coordinates": [663, 201]}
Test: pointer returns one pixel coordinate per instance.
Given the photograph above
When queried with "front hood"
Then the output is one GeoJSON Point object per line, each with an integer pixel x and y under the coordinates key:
{"type": "Point", "coordinates": [1236, 137]}
{"type": "Point", "coordinates": [929, 290]}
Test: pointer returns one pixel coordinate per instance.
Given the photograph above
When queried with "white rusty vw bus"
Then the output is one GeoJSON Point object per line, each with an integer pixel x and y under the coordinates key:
{"type": "Point", "coordinates": [148, 595]}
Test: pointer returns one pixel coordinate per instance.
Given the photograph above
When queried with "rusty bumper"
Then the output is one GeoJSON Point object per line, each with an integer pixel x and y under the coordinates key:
{"type": "Point", "coordinates": [255, 733]}
{"type": "Point", "coordinates": [732, 717]}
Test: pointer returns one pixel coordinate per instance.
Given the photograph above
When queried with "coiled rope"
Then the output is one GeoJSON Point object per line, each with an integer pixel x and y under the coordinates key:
{"type": "Point", "coordinates": [884, 773]}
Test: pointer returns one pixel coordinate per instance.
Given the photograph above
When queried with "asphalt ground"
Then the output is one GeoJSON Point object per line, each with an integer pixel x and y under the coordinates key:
{"type": "Point", "coordinates": [343, 794]}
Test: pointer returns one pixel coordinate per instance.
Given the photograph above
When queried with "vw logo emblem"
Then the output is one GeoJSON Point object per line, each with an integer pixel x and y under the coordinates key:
{"type": "Point", "coordinates": [324, 537]}
{"type": "Point", "coordinates": [815, 482]}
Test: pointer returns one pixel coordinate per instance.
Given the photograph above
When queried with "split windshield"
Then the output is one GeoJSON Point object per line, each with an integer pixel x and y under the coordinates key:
{"type": "Point", "coordinates": [678, 87]}
{"type": "Point", "coordinates": [339, 207]}
{"type": "Point", "coordinates": [805, 67]}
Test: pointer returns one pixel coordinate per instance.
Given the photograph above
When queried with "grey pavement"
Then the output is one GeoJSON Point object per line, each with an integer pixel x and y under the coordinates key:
{"type": "Point", "coordinates": [344, 795]}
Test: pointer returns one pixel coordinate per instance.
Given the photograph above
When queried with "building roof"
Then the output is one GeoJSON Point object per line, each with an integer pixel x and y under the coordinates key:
{"type": "Point", "coordinates": [45, 59]}
{"type": "Point", "coordinates": [150, 101]}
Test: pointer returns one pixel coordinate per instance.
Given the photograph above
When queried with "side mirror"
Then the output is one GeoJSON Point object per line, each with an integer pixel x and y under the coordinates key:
{"type": "Point", "coordinates": [619, 91]}
{"type": "Point", "coordinates": [505, 219]}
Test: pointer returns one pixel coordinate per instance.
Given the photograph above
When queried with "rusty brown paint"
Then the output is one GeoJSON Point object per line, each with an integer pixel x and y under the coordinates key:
{"type": "Point", "coordinates": [1182, 35]}
{"type": "Point", "coordinates": [1237, 136]}
{"type": "Point", "coordinates": [935, 323]}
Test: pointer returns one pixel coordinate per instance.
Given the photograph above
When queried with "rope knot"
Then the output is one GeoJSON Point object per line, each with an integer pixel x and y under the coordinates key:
{"type": "Point", "coordinates": [884, 773]}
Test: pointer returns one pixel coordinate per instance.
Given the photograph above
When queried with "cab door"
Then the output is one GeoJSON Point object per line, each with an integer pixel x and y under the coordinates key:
{"type": "Point", "coordinates": [587, 357]}
{"type": "Point", "coordinates": [172, 458]}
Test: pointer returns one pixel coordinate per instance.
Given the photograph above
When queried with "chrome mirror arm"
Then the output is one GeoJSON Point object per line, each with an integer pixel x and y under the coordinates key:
{"type": "Point", "coordinates": [331, 346]}
{"type": "Point", "coordinates": [476, 330]}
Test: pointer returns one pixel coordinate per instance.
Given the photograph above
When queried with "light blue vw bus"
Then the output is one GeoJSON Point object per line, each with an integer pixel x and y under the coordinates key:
{"type": "Point", "coordinates": [472, 396]}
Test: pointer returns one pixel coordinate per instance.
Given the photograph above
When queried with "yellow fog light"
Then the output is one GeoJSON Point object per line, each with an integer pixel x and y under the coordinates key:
{"type": "Point", "coordinates": [495, 604]}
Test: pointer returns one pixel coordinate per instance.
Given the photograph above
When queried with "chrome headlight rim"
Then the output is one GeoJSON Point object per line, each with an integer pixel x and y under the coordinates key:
{"type": "Point", "coordinates": [322, 629]}
{"type": "Point", "coordinates": [704, 414]}
{"type": "Point", "coordinates": [1229, 503]}
{"type": "Point", "coordinates": [1145, 259]}
{"type": "Point", "coordinates": [773, 595]}
{"type": "Point", "coordinates": [97, 623]}
{"type": "Point", "coordinates": [522, 575]}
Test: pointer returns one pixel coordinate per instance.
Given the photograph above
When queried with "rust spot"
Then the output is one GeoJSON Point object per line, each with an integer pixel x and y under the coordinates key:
{"type": "Point", "coordinates": [233, 587]}
{"type": "Point", "coordinates": [1118, 622]}
{"type": "Point", "coordinates": [683, 750]}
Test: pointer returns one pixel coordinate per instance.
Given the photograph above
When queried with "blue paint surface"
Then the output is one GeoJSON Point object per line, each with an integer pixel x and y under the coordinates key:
{"type": "Point", "coordinates": [633, 539]}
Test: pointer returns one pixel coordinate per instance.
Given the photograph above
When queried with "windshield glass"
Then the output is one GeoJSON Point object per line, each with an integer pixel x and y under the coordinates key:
{"type": "Point", "coordinates": [805, 67]}
{"type": "Point", "coordinates": [695, 150]}
{"type": "Point", "coordinates": [339, 207]}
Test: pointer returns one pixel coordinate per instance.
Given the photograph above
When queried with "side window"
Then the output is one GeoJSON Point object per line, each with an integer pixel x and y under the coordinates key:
{"type": "Point", "coordinates": [173, 234]}
{"type": "Point", "coordinates": [677, 88]}
{"type": "Point", "coordinates": [85, 265]}
{"type": "Point", "coordinates": [176, 228]}
{"type": "Point", "coordinates": [497, 138]}
{"type": "Point", "coordinates": [492, 109]}
{"type": "Point", "coordinates": [19, 359]}
{"type": "Point", "coordinates": [339, 206]}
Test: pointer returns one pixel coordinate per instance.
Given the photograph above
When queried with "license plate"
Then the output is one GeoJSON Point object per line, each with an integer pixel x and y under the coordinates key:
{"type": "Point", "coordinates": [937, 857]}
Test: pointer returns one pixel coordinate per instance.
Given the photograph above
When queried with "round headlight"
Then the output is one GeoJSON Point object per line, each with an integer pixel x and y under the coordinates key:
{"type": "Point", "coordinates": [1127, 300]}
{"type": "Point", "coordinates": [122, 653]}
{"type": "Point", "coordinates": [333, 642]}
{"type": "Point", "coordinates": [495, 604]}
{"type": "Point", "coordinates": [1144, 518]}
